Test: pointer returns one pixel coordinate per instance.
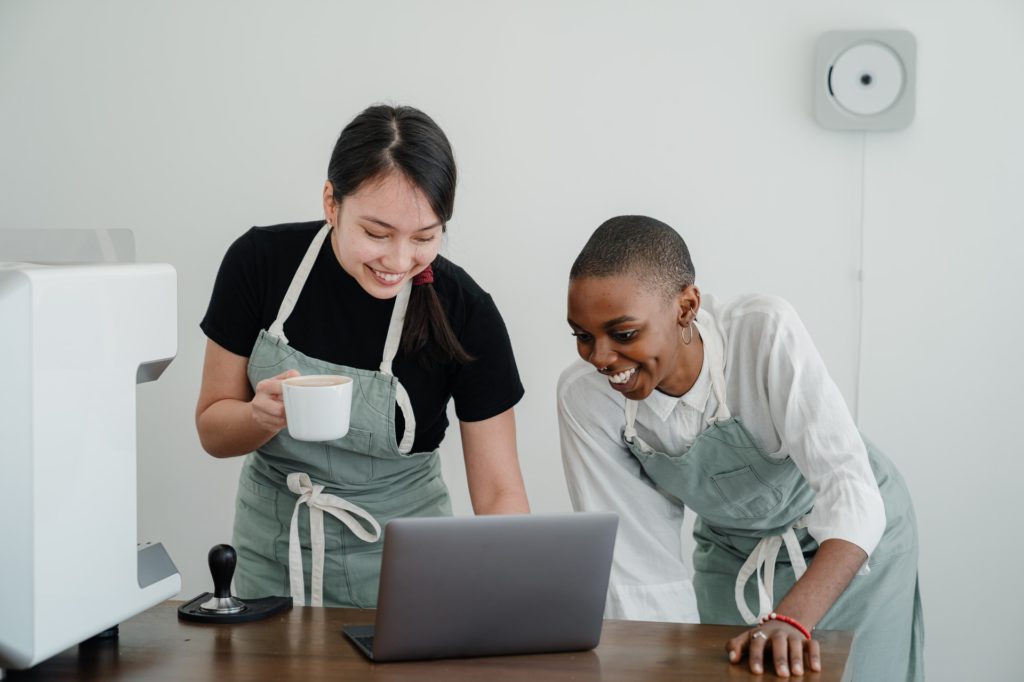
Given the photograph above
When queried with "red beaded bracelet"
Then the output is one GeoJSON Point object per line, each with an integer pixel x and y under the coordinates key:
{"type": "Point", "coordinates": [788, 621]}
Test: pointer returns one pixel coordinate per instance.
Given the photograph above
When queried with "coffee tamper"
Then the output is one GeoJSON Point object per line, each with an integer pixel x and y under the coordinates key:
{"type": "Point", "coordinates": [221, 607]}
{"type": "Point", "coordinates": [222, 560]}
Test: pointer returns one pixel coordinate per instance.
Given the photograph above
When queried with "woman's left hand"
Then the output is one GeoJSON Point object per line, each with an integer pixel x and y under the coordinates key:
{"type": "Point", "coordinates": [787, 644]}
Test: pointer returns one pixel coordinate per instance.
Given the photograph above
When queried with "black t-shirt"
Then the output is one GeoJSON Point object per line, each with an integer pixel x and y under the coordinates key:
{"type": "Point", "coordinates": [337, 321]}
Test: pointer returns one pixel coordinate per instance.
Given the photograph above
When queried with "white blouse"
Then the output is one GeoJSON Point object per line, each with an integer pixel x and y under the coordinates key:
{"type": "Point", "coordinates": [777, 384]}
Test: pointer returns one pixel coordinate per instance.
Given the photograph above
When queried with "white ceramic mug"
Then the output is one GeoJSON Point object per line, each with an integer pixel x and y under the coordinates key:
{"type": "Point", "coordinates": [317, 406]}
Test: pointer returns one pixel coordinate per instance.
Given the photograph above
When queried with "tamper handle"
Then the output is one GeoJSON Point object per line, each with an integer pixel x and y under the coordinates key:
{"type": "Point", "coordinates": [222, 568]}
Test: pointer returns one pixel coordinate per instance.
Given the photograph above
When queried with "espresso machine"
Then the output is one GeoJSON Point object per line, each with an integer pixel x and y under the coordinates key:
{"type": "Point", "coordinates": [79, 329]}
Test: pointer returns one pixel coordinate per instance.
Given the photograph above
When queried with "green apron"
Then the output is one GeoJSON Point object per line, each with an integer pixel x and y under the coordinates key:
{"type": "Point", "coordinates": [750, 505]}
{"type": "Point", "coordinates": [361, 480]}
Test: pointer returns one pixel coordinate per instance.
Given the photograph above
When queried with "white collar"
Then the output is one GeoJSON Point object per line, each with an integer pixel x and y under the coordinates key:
{"type": "Point", "coordinates": [662, 404]}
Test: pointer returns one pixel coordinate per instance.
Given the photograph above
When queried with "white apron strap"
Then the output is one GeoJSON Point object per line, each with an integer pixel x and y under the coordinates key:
{"type": "Point", "coordinates": [313, 496]}
{"type": "Point", "coordinates": [629, 431]}
{"type": "Point", "coordinates": [714, 349]}
{"type": "Point", "coordinates": [394, 338]}
{"type": "Point", "coordinates": [298, 281]}
{"type": "Point", "coordinates": [764, 556]}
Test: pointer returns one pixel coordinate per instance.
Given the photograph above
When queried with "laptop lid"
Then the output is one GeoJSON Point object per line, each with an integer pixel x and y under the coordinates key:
{"type": "Point", "coordinates": [493, 585]}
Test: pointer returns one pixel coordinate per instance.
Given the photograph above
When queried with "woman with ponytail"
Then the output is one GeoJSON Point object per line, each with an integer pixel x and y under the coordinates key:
{"type": "Point", "coordinates": [362, 294]}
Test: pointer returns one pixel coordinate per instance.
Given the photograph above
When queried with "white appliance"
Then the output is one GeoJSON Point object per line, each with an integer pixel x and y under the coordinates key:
{"type": "Point", "coordinates": [74, 342]}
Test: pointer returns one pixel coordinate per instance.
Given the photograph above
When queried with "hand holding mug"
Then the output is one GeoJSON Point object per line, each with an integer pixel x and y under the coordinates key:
{"type": "Point", "coordinates": [267, 404]}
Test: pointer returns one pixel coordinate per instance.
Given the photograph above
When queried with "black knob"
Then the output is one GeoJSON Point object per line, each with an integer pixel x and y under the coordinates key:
{"type": "Point", "coordinates": [222, 567]}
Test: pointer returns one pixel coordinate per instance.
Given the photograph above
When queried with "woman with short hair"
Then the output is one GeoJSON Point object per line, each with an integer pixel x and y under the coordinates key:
{"type": "Point", "coordinates": [727, 408]}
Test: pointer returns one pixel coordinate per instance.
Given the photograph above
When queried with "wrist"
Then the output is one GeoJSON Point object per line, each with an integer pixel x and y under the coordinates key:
{"type": "Point", "coordinates": [792, 622]}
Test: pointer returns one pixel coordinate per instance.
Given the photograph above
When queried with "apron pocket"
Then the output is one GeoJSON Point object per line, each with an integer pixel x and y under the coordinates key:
{"type": "Point", "coordinates": [257, 526]}
{"type": "Point", "coordinates": [348, 460]}
{"type": "Point", "coordinates": [356, 440]}
{"type": "Point", "coordinates": [745, 491]}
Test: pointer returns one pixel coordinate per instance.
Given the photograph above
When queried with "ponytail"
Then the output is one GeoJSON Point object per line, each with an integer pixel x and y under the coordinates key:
{"type": "Point", "coordinates": [427, 332]}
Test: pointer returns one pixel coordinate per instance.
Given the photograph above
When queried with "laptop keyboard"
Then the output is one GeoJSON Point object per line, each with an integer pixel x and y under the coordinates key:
{"type": "Point", "coordinates": [366, 641]}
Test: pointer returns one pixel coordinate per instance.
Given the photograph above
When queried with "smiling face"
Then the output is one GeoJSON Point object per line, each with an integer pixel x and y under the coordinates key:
{"type": "Point", "coordinates": [631, 332]}
{"type": "Point", "coordinates": [384, 233]}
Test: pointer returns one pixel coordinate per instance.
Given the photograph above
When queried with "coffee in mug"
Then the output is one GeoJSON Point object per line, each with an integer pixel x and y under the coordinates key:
{"type": "Point", "coordinates": [317, 406]}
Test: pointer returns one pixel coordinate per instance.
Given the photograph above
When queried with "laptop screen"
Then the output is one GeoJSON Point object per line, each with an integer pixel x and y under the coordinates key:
{"type": "Point", "coordinates": [492, 585]}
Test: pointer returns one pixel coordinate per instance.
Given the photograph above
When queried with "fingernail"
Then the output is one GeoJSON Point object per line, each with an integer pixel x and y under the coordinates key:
{"type": "Point", "coordinates": [732, 655]}
{"type": "Point", "coordinates": [756, 668]}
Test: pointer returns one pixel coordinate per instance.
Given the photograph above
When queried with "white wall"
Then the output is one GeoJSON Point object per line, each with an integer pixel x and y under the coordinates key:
{"type": "Point", "coordinates": [943, 360]}
{"type": "Point", "coordinates": [190, 121]}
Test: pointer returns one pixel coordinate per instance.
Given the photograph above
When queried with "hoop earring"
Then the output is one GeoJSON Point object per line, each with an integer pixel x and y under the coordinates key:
{"type": "Point", "coordinates": [687, 338]}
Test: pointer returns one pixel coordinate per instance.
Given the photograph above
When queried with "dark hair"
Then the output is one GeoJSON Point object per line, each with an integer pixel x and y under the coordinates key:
{"type": "Point", "coordinates": [383, 139]}
{"type": "Point", "coordinates": [640, 246]}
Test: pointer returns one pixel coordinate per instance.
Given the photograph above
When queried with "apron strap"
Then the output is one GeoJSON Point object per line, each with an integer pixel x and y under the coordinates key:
{"type": "Point", "coordinates": [714, 348]}
{"type": "Point", "coordinates": [313, 496]}
{"type": "Point", "coordinates": [765, 554]}
{"type": "Point", "coordinates": [394, 337]}
{"type": "Point", "coordinates": [298, 281]}
{"type": "Point", "coordinates": [391, 344]}
{"type": "Point", "coordinates": [629, 431]}
{"type": "Point", "coordinates": [405, 405]}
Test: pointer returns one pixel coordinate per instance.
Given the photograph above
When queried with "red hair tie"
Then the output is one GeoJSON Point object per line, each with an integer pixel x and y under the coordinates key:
{"type": "Point", "coordinates": [425, 277]}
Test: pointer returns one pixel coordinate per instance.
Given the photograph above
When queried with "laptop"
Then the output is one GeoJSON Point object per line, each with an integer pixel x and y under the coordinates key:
{"type": "Point", "coordinates": [457, 587]}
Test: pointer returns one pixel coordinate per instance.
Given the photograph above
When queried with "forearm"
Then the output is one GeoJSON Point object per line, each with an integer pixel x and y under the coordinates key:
{"type": "Point", "coordinates": [227, 429]}
{"type": "Point", "coordinates": [508, 500]}
{"type": "Point", "coordinates": [833, 568]}
{"type": "Point", "coordinates": [492, 466]}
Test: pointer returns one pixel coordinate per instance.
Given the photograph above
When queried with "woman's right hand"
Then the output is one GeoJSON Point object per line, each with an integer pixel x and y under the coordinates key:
{"type": "Point", "coordinates": [268, 403]}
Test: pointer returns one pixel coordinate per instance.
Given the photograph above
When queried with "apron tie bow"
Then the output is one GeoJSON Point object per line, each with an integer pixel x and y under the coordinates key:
{"type": "Point", "coordinates": [318, 502]}
{"type": "Point", "coordinates": [764, 556]}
